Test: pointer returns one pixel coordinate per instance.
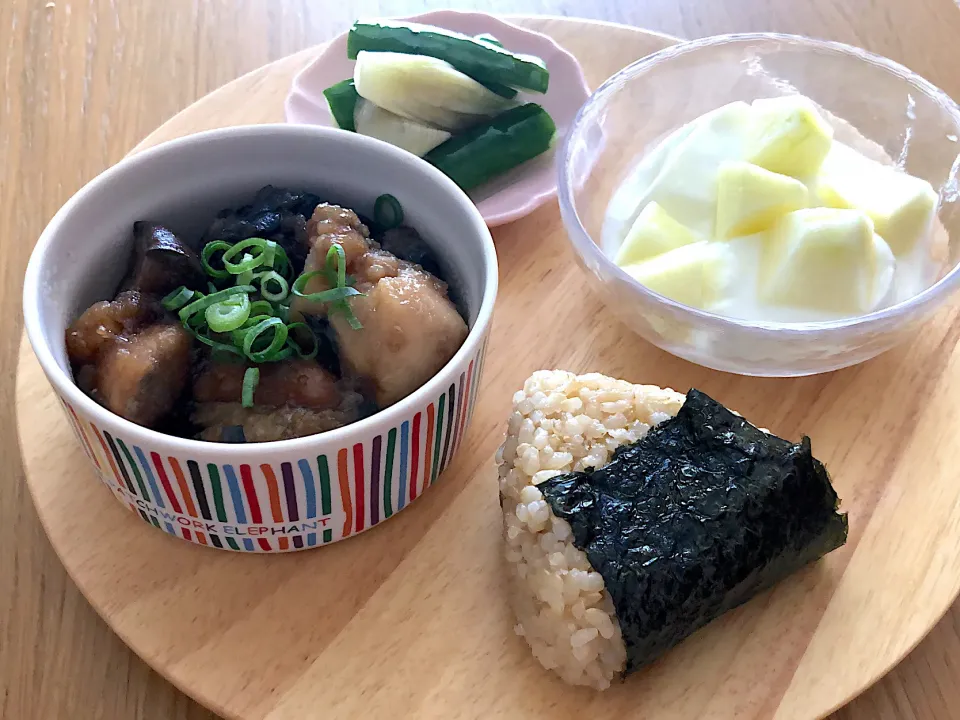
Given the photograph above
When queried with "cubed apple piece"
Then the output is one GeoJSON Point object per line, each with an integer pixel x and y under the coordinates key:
{"type": "Point", "coordinates": [822, 258]}
{"type": "Point", "coordinates": [789, 136]}
{"type": "Point", "coordinates": [653, 233]}
{"type": "Point", "coordinates": [751, 199]}
{"type": "Point", "coordinates": [901, 206]}
{"type": "Point", "coordinates": [884, 266]}
{"type": "Point", "coordinates": [686, 186]}
{"type": "Point", "coordinates": [693, 274]}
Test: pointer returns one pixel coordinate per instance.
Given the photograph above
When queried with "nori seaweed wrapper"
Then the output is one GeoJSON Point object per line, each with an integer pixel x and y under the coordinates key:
{"type": "Point", "coordinates": [695, 518]}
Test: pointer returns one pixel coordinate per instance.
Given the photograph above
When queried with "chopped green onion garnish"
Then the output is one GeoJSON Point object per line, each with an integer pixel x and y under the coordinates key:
{"type": "Point", "coordinates": [307, 332]}
{"type": "Point", "coordinates": [251, 321]}
{"type": "Point", "coordinates": [248, 263]}
{"type": "Point", "coordinates": [209, 250]}
{"type": "Point", "coordinates": [336, 262]}
{"type": "Point", "coordinates": [387, 212]}
{"type": "Point", "coordinates": [335, 271]}
{"type": "Point", "coordinates": [277, 342]}
{"type": "Point", "coordinates": [270, 254]}
{"type": "Point", "coordinates": [248, 260]}
{"type": "Point", "coordinates": [240, 333]}
{"type": "Point", "coordinates": [211, 299]}
{"type": "Point", "coordinates": [281, 262]}
{"type": "Point", "coordinates": [282, 310]}
{"type": "Point", "coordinates": [280, 283]}
{"type": "Point", "coordinates": [352, 319]}
{"type": "Point", "coordinates": [228, 314]}
{"type": "Point", "coordinates": [262, 307]}
{"type": "Point", "coordinates": [177, 299]}
{"type": "Point", "coordinates": [245, 278]}
{"type": "Point", "coordinates": [332, 295]}
{"type": "Point", "coordinates": [195, 322]}
{"type": "Point", "coordinates": [217, 345]}
{"type": "Point", "coordinates": [283, 354]}
{"type": "Point", "coordinates": [251, 378]}
{"type": "Point", "coordinates": [300, 284]}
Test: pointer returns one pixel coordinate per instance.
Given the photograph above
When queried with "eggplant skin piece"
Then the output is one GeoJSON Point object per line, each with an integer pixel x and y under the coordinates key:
{"type": "Point", "coordinates": [276, 214]}
{"type": "Point", "coordinates": [162, 262]}
{"type": "Point", "coordinates": [694, 519]}
{"type": "Point", "coordinates": [406, 244]}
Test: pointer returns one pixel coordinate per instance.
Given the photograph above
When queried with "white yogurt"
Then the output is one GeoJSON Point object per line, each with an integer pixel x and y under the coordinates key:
{"type": "Point", "coordinates": [680, 173]}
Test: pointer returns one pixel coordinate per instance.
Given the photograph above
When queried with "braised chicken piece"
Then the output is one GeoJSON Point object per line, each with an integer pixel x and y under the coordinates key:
{"type": "Point", "coordinates": [129, 363]}
{"type": "Point", "coordinates": [410, 326]}
{"type": "Point", "coordinates": [293, 398]}
{"type": "Point", "coordinates": [140, 376]}
{"type": "Point", "coordinates": [330, 224]}
{"type": "Point", "coordinates": [102, 323]}
{"type": "Point", "coordinates": [266, 424]}
{"type": "Point", "coordinates": [302, 383]}
{"type": "Point", "coordinates": [410, 331]}
{"type": "Point", "coordinates": [374, 265]}
{"type": "Point", "coordinates": [334, 224]}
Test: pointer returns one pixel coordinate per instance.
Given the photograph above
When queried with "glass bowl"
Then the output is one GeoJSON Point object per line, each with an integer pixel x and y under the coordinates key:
{"type": "Point", "coordinates": [877, 105]}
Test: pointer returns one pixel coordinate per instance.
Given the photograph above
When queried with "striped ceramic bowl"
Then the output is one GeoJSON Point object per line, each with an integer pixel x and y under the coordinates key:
{"type": "Point", "coordinates": [277, 496]}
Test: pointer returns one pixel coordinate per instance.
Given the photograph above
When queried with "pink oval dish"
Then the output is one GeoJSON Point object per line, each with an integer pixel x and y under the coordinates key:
{"type": "Point", "coordinates": [514, 194]}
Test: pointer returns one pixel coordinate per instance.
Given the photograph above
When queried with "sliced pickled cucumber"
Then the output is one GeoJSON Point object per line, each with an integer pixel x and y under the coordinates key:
{"type": "Point", "coordinates": [479, 154]}
{"type": "Point", "coordinates": [480, 59]}
{"type": "Point", "coordinates": [342, 99]}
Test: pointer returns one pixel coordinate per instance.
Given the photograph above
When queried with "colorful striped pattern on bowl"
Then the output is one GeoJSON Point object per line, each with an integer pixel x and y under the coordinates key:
{"type": "Point", "coordinates": [291, 505]}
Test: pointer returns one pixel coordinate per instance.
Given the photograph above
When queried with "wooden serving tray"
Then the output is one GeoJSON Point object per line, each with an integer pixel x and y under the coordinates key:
{"type": "Point", "coordinates": [412, 620]}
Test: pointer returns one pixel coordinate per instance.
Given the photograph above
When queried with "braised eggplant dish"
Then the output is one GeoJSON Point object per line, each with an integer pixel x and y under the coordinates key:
{"type": "Point", "coordinates": [288, 317]}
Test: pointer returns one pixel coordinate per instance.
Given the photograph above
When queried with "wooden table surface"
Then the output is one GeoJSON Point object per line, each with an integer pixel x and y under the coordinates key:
{"type": "Point", "coordinates": [84, 80]}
